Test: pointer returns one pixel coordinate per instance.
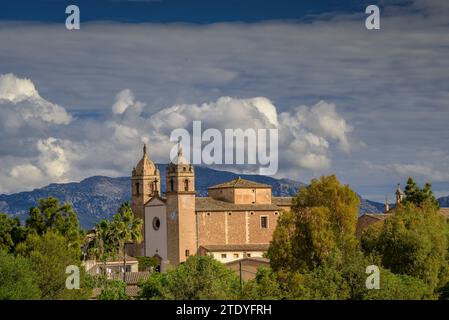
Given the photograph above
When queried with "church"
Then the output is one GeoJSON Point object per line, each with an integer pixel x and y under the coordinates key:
{"type": "Point", "coordinates": [235, 221]}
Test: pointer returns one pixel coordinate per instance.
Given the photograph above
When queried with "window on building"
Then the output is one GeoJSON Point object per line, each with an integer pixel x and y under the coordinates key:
{"type": "Point", "coordinates": [187, 252]}
{"type": "Point", "coordinates": [186, 185]}
{"type": "Point", "coordinates": [236, 255]}
{"type": "Point", "coordinates": [137, 188]}
{"type": "Point", "coordinates": [264, 222]}
{"type": "Point", "coordinates": [223, 255]}
{"type": "Point", "coordinates": [248, 255]}
{"type": "Point", "coordinates": [172, 185]}
{"type": "Point", "coordinates": [156, 223]}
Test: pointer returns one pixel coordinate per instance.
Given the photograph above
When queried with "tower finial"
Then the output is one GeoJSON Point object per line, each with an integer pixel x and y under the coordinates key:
{"type": "Point", "coordinates": [144, 149]}
{"type": "Point", "coordinates": [179, 148]}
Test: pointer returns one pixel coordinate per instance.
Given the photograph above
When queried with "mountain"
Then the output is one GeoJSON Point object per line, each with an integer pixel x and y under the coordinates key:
{"type": "Point", "coordinates": [99, 197]}
{"type": "Point", "coordinates": [444, 201]}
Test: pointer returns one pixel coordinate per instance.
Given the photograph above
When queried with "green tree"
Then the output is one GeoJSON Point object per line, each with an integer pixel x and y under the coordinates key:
{"type": "Point", "coordinates": [199, 278]}
{"type": "Point", "coordinates": [18, 281]}
{"type": "Point", "coordinates": [324, 217]}
{"type": "Point", "coordinates": [113, 290]}
{"type": "Point", "coordinates": [11, 232]}
{"type": "Point", "coordinates": [414, 194]}
{"type": "Point", "coordinates": [156, 287]}
{"type": "Point", "coordinates": [413, 241]}
{"type": "Point", "coordinates": [50, 254]}
{"type": "Point", "coordinates": [126, 228]}
{"type": "Point", "coordinates": [264, 287]}
{"type": "Point", "coordinates": [102, 244]}
{"type": "Point", "coordinates": [147, 263]}
{"type": "Point", "coordinates": [49, 215]}
{"type": "Point", "coordinates": [399, 287]}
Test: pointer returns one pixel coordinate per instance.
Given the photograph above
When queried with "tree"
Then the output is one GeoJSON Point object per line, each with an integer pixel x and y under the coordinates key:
{"type": "Point", "coordinates": [147, 263]}
{"type": "Point", "coordinates": [199, 278]}
{"type": "Point", "coordinates": [49, 215]}
{"type": "Point", "coordinates": [126, 227]}
{"type": "Point", "coordinates": [113, 290]}
{"type": "Point", "coordinates": [156, 287]}
{"type": "Point", "coordinates": [324, 217]}
{"type": "Point", "coordinates": [264, 287]}
{"type": "Point", "coordinates": [50, 254]}
{"type": "Point", "coordinates": [11, 233]}
{"type": "Point", "coordinates": [102, 244]}
{"type": "Point", "coordinates": [413, 241]}
{"type": "Point", "coordinates": [18, 281]}
{"type": "Point", "coordinates": [399, 287]}
{"type": "Point", "coordinates": [414, 194]}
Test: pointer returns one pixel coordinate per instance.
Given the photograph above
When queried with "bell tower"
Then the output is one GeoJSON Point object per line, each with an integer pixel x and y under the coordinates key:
{"type": "Point", "coordinates": [399, 195]}
{"type": "Point", "coordinates": [145, 183]}
{"type": "Point", "coordinates": [181, 219]}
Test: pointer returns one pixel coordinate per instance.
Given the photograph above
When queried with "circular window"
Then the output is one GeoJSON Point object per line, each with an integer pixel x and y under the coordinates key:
{"type": "Point", "coordinates": [156, 223]}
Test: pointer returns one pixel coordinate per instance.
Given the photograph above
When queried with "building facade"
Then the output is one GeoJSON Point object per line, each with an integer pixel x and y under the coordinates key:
{"type": "Point", "coordinates": [235, 221]}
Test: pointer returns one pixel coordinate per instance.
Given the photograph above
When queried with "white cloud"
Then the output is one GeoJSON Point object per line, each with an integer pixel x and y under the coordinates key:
{"type": "Point", "coordinates": [21, 96]}
{"type": "Point", "coordinates": [125, 100]}
{"type": "Point", "coordinates": [27, 174]}
{"type": "Point", "coordinates": [53, 159]}
{"type": "Point", "coordinates": [395, 96]}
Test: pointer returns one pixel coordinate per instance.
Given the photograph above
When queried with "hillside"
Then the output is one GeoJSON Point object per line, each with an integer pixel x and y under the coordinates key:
{"type": "Point", "coordinates": [98, 197]}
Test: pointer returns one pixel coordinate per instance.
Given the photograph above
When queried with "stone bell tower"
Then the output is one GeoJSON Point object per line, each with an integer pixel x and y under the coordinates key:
{"type": "Point", "coordinates": [145, 183]}
{"type": "Point", "coordinates": [181, 218]}
{"type": "Point", "coordinates": [399, 195]}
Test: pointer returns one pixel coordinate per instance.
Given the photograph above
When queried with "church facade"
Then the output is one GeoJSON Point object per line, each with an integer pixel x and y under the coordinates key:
{"type": "Point", "coordinates": [236, 220]}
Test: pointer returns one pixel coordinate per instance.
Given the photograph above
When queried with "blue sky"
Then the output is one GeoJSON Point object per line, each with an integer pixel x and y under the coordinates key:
{"type": "Point", "coordinates": [371, 106]}
{"type": "Point", "coordinates": [192, 11]}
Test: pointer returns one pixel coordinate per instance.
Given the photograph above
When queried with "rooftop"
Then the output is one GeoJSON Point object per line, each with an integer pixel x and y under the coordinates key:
{"type": "Point", "coordinates": [240, 183]}
{"type": "Point", "coordinates": [236, 247]}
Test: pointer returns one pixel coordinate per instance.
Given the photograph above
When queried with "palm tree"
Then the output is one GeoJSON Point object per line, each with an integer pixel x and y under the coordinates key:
{"type": "Point", "coordinates": [126, 228]}
{"type": "Point", "coordinates": [101, 245]}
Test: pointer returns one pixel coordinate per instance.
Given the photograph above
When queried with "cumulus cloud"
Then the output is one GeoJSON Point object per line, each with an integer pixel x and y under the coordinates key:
{"type": "Point", "coordinates": [125, 100]}
{"type": "Point", "coordinates": [27, 174]}
{"type": "Point", "coordinates": [305, 133]}
{"type": "Point", "coordinates": [53, 159]}
{"type": "Point", "coordinates": [21, 96]}
{"type": "Point", "coordinates": [387, 89]}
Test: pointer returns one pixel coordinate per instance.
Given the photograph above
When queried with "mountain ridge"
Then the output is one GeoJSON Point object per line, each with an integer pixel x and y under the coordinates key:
{"type": "Point", "coordinates": [98, 197]}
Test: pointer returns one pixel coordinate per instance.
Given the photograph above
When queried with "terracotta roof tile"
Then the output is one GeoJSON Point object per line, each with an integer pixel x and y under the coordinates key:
{"type": "Point", "coordinates": [240, 183]}
{"type": "Point", "coordinates": [282, 201]}
{"type": "Point", "coordinates": [236, 247]}
{"type": "Point", "coordinates": [132, 277]}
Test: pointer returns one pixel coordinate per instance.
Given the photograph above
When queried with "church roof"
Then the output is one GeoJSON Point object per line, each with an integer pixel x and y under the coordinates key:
{"type": "Point", "coordinates": [210, 204]}
{"type": "Point", "coordinates": [282, 201]}
{"type": "Point", "coordinates": [240, 183]}
{"type": "Point", "coordinates": [236, 247]}
{"type": "Point", "coordinates": [145, 165]}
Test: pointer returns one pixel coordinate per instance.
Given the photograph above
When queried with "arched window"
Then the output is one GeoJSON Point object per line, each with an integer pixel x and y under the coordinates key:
{"type": "Point", "coordinates": [172, 185]}
{"type": "Point", "coordinates": [186, 185]}
{"type": "Point", "coordinates": [137, 188]}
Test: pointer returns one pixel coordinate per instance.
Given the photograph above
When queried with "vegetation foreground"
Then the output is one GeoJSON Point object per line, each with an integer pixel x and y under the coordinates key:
{"type": "Point", "coordinates": [314, 253]}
